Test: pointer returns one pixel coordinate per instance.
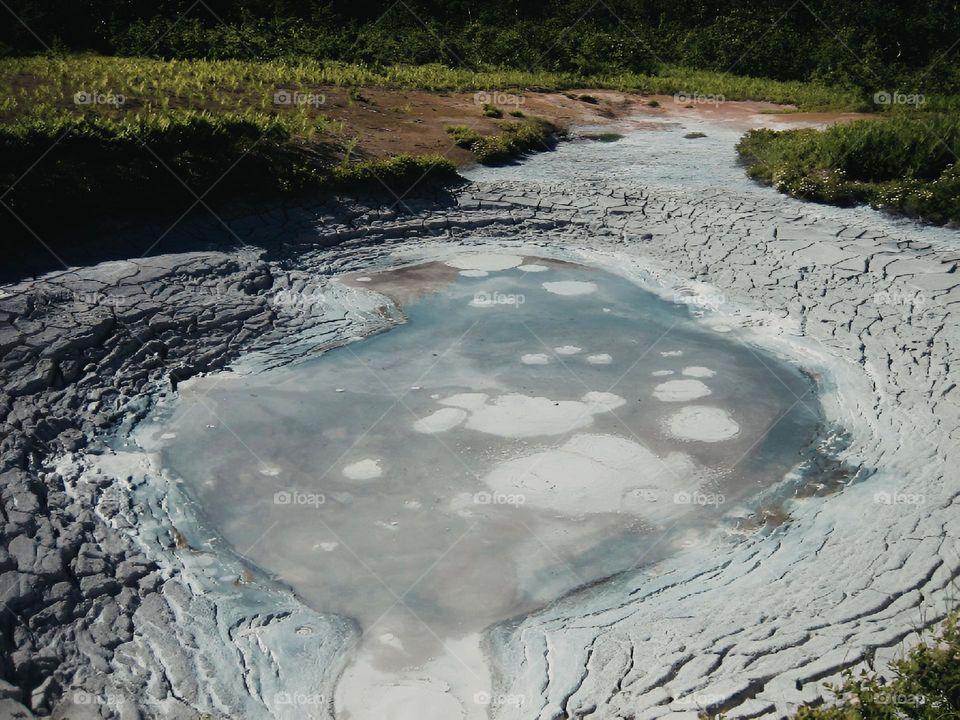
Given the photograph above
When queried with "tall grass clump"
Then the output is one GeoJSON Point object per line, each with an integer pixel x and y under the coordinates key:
{"type": "Point", "coordinates": [514, 140]}
{"type": "Point", "coordinates": [902, 163]}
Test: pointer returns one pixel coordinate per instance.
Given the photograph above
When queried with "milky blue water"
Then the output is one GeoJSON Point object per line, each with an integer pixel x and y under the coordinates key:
{"type": "Point", "coordinates": [323, 474]}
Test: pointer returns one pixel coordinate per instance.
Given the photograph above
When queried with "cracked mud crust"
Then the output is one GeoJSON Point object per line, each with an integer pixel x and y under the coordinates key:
{"type": "Point", "coordinates": [105, 620]}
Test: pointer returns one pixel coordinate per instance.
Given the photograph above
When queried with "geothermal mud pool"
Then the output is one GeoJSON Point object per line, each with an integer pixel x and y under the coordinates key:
{"type": "Point", "coordinates": [406, 519]}
{"type": "Point", "coordinates": [532, 427]}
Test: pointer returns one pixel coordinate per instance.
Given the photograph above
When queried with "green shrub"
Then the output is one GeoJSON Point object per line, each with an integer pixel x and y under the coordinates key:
{"type": "Point", "coordinates": [924, 685]}
{"type": "Point", "coordinates": [492, 111]}
{"type": "Point", "coordinates": [399, 170]}
{"type": "Point", "coordinates": [904, 164]}
{"type": "Point", "coordinates": [515, 139]}
{"type": "Point", "coordinates": [462, 136]}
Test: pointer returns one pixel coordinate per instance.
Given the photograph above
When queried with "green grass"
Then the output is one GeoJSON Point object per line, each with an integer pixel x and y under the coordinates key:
{"type": "Point", "coordinates": [923, 685]}
{"type": "Point", "coordinates": [397, 171]}
{"type": "Point", "coordinates": [208, 120]}
{"type": "Point", "coordinates": [104, 166]}
{"type": "Point", "coordinates": [33, 85]}
{"type": "Point", "coordinates": [904, 163]}
{"type": "Point", "coordinates": [514, 140]}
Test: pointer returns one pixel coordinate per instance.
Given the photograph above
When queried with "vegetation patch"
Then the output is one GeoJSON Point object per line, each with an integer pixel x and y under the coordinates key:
{"type": "Point", "coordinates": [395, 172]}
{"type": "Point", "coordinates": [94, 166]}
{"type": "Point", "coordinates": [514, 140]}
{"type": "Point", "coordinates": [923, 685]}
{"type": "Point", "coordinates": [35, 85]}
{"type": "Point", "coordinates": [695, 135]}
{"type": "Point", "coordinates": [866, 44]}
{"type": "Point", "coordinates": [603, 137]}
{"type": "Point", "coordinates": [901, 163]}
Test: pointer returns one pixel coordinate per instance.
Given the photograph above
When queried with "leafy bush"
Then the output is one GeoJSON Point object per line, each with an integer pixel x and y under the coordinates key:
{"type": "Point", "coordinates": [98, 164]}
{"type": "Point", "coordinates": [904, 164]}
{"type": "Point", "coordinates": [925, 685]}
{"type": "Point", "coordinates": [400, 170]}
{"type": "Point", "coordinates": [515, 139]}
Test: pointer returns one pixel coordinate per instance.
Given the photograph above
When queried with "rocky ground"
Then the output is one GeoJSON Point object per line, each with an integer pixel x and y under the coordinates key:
{"type": "Point", "coordinates": [97, 623]}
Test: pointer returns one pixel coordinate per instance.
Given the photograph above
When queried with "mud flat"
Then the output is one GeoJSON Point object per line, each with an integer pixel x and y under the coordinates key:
{"type": "Point", "coordinates": [123, 600]}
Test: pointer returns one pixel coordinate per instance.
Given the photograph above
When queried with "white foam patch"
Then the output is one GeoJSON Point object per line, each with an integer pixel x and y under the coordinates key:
{"type": "Point", "coordinates": [363, 279]}
{"type": "Point", "coordinates": [599, 359]}
{"type": "Point", "coordinates": [474, 273]}
{"type": "Point", "coordinates": [567, 350]}
{"type": "Point", "coordinates": [533, 267]}
{"type": "Point", "coordinates": [391, 640]}
{"type": "Point", "coordinates": [467, 401]}
{"type": "Point", "coordinates": [270, 470]}
{"type": "Point", "coordinates": [661, 373]}
{"type": "Point", "coordinates": [603, 401]}
{"type": "Point", "coordinates": [364, 470]}
{"type": "Point", "coordinates": [596, 474]}
{"type": "Point", "coordinates": [535, 359]}
{"type": "Point", "coordinates": [671, 353]}
{"type": "Point", "coordinates": [698, 372]}
{"type": "Point", "coordinates": [491, 262]}
{"type": "Point", "coordinates": [520, 416]}
{"type": "Point", "coordinates": [440, 421]}
{"type": "Point", "coordinates": [680, 390]}
{"type": "Point", "coordinates": [706, 424]}
{"type": "Point", "coordinates": [570, 287]}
